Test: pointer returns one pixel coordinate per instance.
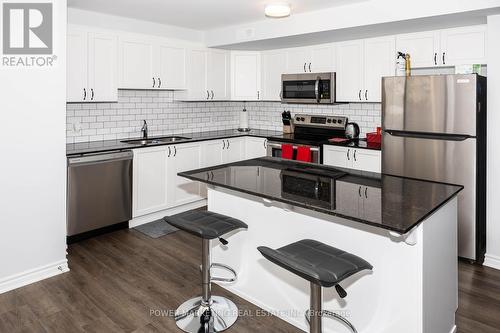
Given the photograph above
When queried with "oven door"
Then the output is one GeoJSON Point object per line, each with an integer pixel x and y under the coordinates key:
{"type": "Point", "coordinates": [274, 150]}
{"type": "Point", "coordinates": [315, 88]}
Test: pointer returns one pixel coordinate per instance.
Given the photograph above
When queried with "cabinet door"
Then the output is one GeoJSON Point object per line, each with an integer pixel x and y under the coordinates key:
{"type": "Point", "coordinates": [245, 76]}
{"type": "Point", "coordinates": [323, 58]}
{"type": "Point", "coordinates": [197, 84]}
{"type": "Point", "coordinates": [350, 71]}
{"type": "Point", "coordinates": [337, 156]}
{"type": "Point", "coordinates": [150, 181]}
{"type": "Point", "coordinates": [367, 160]}
{"type": "Point", "coordinates": [234, 151]}
{"type": "Point", "coordinates": [380, 61]}
{"type": "Point", "coordinates": [136, 58]}
{"type": "Point", "coordinates": [218, 74]}
{"type": "Point", "coordinates": [170, 67]}
{"type": "Point", "coordinates": [298, 60]}
{"type": "Point", "coordinates": [103, 67]}
{"type": "Point", "coordinates": [463, 46]}
{"type": "Point", "coordinates": [274, 64]}
{"type": "Point", "coordinates": [348, 200]}
{"type": "Point", "coordinates": [183, 158]}
{"type": "Point", "coordinates": [212, 153]}
{"type": "Point", "coordinates": [77, 66]}
{"type": "Point", "coordinates": [423, 48]}
{"type": "Point", "coordinates": [255, 147]}
{"type": "Point", "coordinates": [372, 203]}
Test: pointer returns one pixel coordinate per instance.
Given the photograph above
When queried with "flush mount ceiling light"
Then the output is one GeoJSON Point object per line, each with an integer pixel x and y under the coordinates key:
{"type": "Point", "coordinates": [278, 10]}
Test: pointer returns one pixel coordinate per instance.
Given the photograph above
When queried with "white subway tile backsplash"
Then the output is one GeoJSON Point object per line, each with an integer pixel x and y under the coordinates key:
{"type": "Point", "coordinates": [110, 121]}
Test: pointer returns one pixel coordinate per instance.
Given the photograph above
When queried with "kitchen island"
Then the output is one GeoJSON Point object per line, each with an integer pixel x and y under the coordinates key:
{"type": "Point", "coordinates": [405, 228]}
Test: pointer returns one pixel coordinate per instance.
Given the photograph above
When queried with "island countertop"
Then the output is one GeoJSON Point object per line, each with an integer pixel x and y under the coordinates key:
{"type": "Point", "coordinates": [394, 203]}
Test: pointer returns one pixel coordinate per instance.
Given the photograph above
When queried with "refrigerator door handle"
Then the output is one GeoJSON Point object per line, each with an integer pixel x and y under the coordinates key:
{"type": "Point", "coordinates": [433, 136]}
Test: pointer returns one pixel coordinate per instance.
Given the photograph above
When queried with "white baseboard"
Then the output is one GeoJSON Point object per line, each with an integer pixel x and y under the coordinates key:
{"type": "Point", "coordinates": [34, 275]}
{"type": "Point", "coordinates": [492, 261]}
{"type": "Point", "coordinates": [166, 212]}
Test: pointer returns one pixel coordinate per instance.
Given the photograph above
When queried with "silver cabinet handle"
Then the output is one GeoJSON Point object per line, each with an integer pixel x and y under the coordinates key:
{"type": "Point", "coordinates": [212, 94]}
{"type": "Point", "coordinates": [258, 94]}
{"type": "Point", "coordinates": [310, 68]}
{"type": "Point", "coordinates": [227, 144]}
{"type": "Point", "coordinates": [208, 94]}
{"type": "Point", "coordinates": [366, 192]}
{"type": "Point", "coordinates": [223, 144]}
{"type": "Point", "coordinates": [305, 64]}
{"type": "Point", "coordinates": [435, 59]}
{"type": "Point", "coordinates": [175, 151]}
{"type": "Point", "coordinates": [355, 155]}
{"type": "Point", "coordinates": [359, 192]}
{"type": "Point", "coordinates": [169, 152]}
{"type": "Point", "coordinates": [265, 144]}
{"type": "Point", "coordinates": [159, 82]}
{"type": "Point", "coordinates": [359, 95]}
{"type": "Point", "coordinates": [366, 94]}
{"type": "Point", "coordinates": [92, 94]}
{"type": "Point", "coordinates": [84, 94]}
{"type": "Point", "coordinates": [154, 82]}
{"type": "Point", "coordinates": [444, 55]}
{"type": "Point", "coordinates": [348, 157]}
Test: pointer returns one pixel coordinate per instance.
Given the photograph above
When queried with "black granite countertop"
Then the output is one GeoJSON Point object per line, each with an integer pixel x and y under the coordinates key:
{"type": "Point", "coordinates": [112, 145]}
{"type": "Point", "coordinates": [393, 203]}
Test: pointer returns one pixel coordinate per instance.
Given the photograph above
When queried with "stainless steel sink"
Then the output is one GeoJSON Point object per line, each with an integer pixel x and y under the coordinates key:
{"type": "Point", "coordinates": [153, 141]}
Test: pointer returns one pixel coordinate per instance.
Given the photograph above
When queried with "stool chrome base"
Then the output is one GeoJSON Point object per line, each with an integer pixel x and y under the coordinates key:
{"type": "Point", "coordinates": [188, 316]}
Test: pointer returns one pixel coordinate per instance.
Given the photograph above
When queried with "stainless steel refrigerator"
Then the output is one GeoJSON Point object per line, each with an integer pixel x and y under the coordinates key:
{"type": "Point", "coordinates": [434, 128]}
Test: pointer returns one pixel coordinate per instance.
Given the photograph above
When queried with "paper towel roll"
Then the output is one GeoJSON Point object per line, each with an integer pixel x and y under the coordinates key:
{"type": "Point", "coordinates": [243, 119]}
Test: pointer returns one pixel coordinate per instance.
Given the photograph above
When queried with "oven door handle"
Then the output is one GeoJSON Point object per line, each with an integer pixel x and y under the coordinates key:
{"type": "Point", "coordinates": [316, 89]}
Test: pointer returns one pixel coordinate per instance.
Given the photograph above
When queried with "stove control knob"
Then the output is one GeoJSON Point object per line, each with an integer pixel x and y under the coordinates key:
{"type": "Point", "coordinates": [298, 118]}
{"type": "Point", "coordinates": [334, 121]}
{"type": "Point", "coordinates": [329, 121]}
{"type": "Point", "coordinates": [340, 121]}
{"type": "Point", "coordinates": [302, 119]}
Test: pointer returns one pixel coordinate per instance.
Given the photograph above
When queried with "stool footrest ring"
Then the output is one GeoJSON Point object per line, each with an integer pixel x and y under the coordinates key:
{"type": "Point", "coordinates": [330, 314]}
{"type": "Point", "coordinates": [227, 268]}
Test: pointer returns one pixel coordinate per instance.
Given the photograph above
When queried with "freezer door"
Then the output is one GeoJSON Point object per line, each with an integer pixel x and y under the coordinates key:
{"type": "Point", "coordinates": [430, 104]}
{"type": "Point", "coordinates": [443, 161]}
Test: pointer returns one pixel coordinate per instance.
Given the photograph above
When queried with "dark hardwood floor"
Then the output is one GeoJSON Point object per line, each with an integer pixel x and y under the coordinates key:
{"type": "Point", "coordinates": [121, 282]}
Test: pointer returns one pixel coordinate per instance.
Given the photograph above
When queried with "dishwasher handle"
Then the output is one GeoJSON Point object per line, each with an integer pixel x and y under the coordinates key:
{"type": "Point", "coordinates": [97, 158]}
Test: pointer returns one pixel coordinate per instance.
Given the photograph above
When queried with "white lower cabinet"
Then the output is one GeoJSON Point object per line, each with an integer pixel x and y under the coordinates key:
{"type": "Point", "coordinates": [352, 158]}
{"type": "Point", "coordinates": [255, 147]}
{"type": "Point", "coordinates": [359, 200]}
{"type": "Point", "coordinates": [234, 150]}
{"type": "Point", "coordinates": [184, 157]}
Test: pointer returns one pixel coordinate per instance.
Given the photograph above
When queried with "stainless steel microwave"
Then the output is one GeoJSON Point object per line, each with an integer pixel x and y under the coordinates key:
{"type": "Point", "coordinates": [308, 88]}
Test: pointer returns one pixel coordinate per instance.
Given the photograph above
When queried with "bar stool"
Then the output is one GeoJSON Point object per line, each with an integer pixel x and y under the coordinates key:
{"type": "Point", "coordinates": [207, 314]}
{"type": "Point", "coordinates": [323, 266]}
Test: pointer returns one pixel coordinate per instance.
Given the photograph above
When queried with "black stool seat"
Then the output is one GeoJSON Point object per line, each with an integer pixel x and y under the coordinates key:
{"type": "Point", "coordinates": [316, 262]}
{"type": "Point", "coordinates": [204, 224]}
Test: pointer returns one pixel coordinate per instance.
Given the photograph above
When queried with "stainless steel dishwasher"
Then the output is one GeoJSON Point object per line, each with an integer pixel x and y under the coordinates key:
{"type": "Point", "coordinates": [99, 191]}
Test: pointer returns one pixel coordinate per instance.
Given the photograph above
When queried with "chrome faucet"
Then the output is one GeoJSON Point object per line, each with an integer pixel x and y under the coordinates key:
{"type": "Point", "coordinates": [144, 130]}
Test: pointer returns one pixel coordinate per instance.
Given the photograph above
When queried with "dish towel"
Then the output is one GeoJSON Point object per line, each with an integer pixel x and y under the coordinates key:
{"type": "Point", "coordinates": [287, 151]}
{"type": "Point", "coordinates": [304, 154]}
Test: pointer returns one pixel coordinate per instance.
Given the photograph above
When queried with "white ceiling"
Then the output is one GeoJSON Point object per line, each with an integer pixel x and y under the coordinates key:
{"type": "Point", "coordinates": [198, 14]}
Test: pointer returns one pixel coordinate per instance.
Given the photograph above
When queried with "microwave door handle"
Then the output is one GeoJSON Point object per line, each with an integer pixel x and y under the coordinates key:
{"type": "Point", "coordinates": [316, 89]}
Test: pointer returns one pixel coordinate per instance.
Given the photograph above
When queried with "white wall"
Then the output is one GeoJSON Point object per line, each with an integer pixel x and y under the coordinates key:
{"type": "Point", "coordinates": [33, 167]}
{"type": "Point", "coordinates": [105, 21]}
{"type": "Point", "coordinates": [358, 14]}
{"type": "Point", "coordinates": [493, 215]}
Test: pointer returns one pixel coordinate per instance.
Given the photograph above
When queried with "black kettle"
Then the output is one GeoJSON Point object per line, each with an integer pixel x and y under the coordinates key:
{"type": "Point", "coordinates": [352, 131]}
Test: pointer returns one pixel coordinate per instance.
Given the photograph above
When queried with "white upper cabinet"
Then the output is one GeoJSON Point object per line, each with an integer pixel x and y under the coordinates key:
{"type": "Point", "coordinates": [197, 79]}
{"type": "Point", "coordinates": [380, 61]}
{"type": "Point", "coordinates": [350, 75]}
{"type": "Point", "coordinates": [423, 48]}
{"type": "Point", "coordinates": [92, 66]}
{"type": "Point", "coordinates": [323, 58]}
{"type": "Point", "coordinates": [103, 67]}
{"type": "Point", "coordinates": [171, 66]}
{"type": "Point", "coordinates": [361, 64]}
{"type": "Point", "coordinates": [136, 58]}
{"type": "Point", "coordinates": [77, 65]}
{"type": "Point", "coordinates": [151, 63]}
{"type": "Point", "coordinates": [311, 59]}
{"type": "Point", "coordinates": [245, 76]}
{"type": "Point", "coordinates": [463, 46]}
{"type": "Point", "coordinates": [274, 64]}
{"type": "Point", "coordinates": [218, 74]}
{"type": "Point", "coordinates": [447, 47]}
